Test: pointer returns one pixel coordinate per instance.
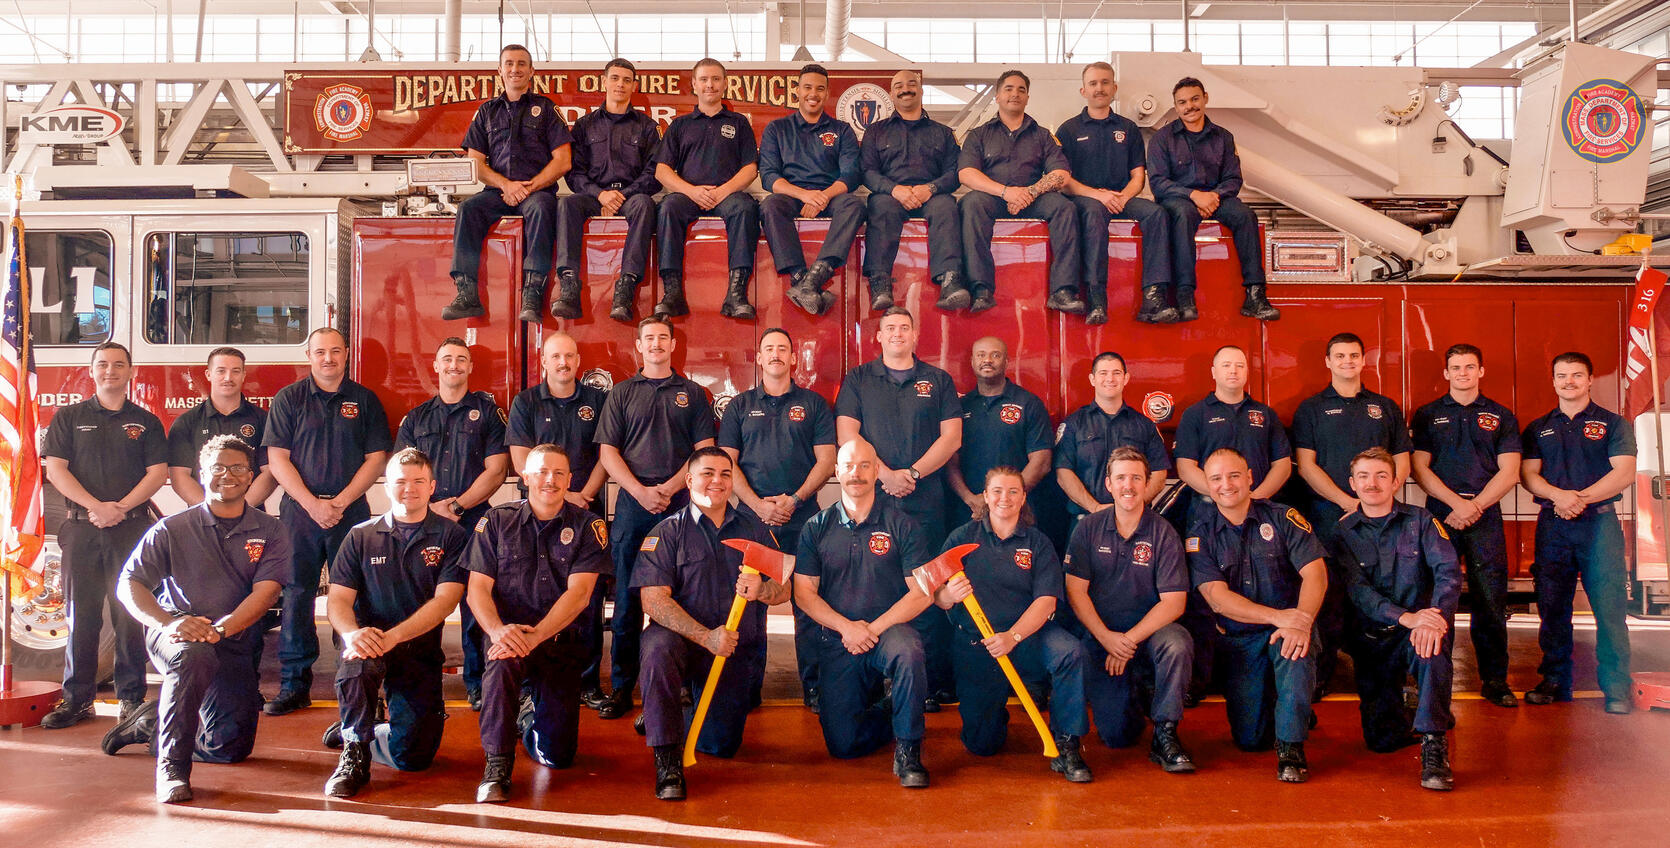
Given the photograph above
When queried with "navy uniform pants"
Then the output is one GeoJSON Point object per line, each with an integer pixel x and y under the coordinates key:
{"type": "Point", "coordinates": [1243, 230]}
{"type": "Point", "coordinates": [551, 674]}
{"type": "Point", "coordinates": [1484, 549]}
{"type": "Point", "coordinates": [1152, 225]}
{"type": "Point", "coordinates": [778, 214]}
{"type": "Point", "coordinates": [742, 228]}
{"type": "Point", "coordinates": [1330, 619]}
{"type": "Point", "coordinates": [1117, 701]}
{"type": "Point", "coordinates": [927, 505]}
{"type": "Point", "coordinates": [632, 523]}
{"type": "Point", "coordinates": [574, 209]}
{"type": "Point", "coordinates": [805, 629]}
{"type": "Point", "coordinates": [210, 698]}
{"type": "Point", "coordinates": [411, 673]}
{"type": "Point", "coordinates": [1050, 655]}
{"type": "Point", "coordinates": [1590, 548]}
{"type": "Point", "coordinates": [481, 211]}
{"type": "Point", "coordinates": [92, 562]}
{"type": "Point", "coordinates": [980, 212]}
{"type": "Point", "coordinates": [856, 719]}
{"type": "Point", "coordinates": [314, 546]}
{"type": "Point", "coordinates": [672, 662]}
{"type": "Point", "coordinates": [1268, 695]}
{"type": "Point", "coordinates": [886, 220]}
{"type": "Point", "coordinates": [470, 634]}
{"type": "Point", "coordinates": [1384, 658]}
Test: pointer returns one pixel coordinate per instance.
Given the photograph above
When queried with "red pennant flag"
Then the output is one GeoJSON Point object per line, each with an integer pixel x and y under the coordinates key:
{"type": "Point", "coordinates": [1643, 311]}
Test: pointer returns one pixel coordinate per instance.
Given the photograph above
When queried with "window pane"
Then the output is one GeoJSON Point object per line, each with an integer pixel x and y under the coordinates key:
{"type": "Point", "coordinates": [70, 271]}
{"type": "Point", "coordinates": [228, 288]}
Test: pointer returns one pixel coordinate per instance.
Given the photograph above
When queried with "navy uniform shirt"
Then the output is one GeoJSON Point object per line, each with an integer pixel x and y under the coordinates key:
{"type": "Point", "coordinates": [1249, 427]}
{"type": "Point", "coordinates": [1102, 152]}
{"type": "Point", "coordinates": [708, 149]}
{"type": "Point", "coordinates": [812, 155]}
{"type": "Point", "coordinates": [1089, 436]}
{"type": "Point", "coordinates": [457, 437]}
{"type": "Point", "coordinates": [1464, 442]}
{"type": "Point", "coordinates": [1180, 161]}
{"type": "Point", "coordinates": [1397, 563]}
{"type": "Point", "coordinates": [898, 152]}
{"type": "Point", "coordinates": [537, 417]}
{"type": "Point", "coordinates": [517, 137]}
{"type": "Point", "coordinates": [108, 451]}
{"type": "Point", "coordinates": [900, 420]}
{"type": "Point", "coordinates": [1000, 430]}
{"type": "Point", "coordinates": [1018, 158]}
{"type": "Point", "coordinates": [614, 153]}
{"type": "Point", "coordinates": [1127, 575]}
{"type": "Point", "coordinates": [328, 434]}
{"type": "Point", "coordinates": [1007, 574]}
{"type": "Point", "coordinates": [862, 567]}
{"type": "Point", "coordinates": [196, 566]}
{"type": "Point", "coordinates": [774, 436]}
{"type": "Point", "coordinates": [1576, 452]}
{"type": "Point", "coordinates": [203, 422]}
{"type": "Point", "coordinates": [1259, 560]}
{"type": "Point", "coordinates": [1339, 428]}
{"type": "Point", "coordinates": [655, 424]}
{"type": "Point", "coordinates": [685, 554]}
{"type": "Point", "coordinates": [395, 568]}
{"type": "Point", "coordinates": [530, 565]}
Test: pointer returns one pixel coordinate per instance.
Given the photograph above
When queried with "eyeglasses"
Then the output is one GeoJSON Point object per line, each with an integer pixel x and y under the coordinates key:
{"type": "Point", "coordinates": [239, 470]}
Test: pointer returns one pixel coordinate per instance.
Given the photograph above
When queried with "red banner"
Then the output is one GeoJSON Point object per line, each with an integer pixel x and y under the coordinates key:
{"type": "Point", "coordinates": [1643, 312]}
{"type": "Point", "coordinates": [420, 111]}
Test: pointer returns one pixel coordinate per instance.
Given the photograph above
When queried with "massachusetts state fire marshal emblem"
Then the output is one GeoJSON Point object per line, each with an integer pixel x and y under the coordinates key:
{"type": "Point", "coordinates": [863, 104]}
{"type": "Point", "coordinates": [342, 112]}
{"type": "Point", "coordinates": [1603, 121]}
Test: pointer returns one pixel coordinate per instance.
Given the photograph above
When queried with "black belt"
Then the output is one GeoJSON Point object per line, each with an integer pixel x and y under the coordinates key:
{"type": "Point", "coordinates": [76, 513]}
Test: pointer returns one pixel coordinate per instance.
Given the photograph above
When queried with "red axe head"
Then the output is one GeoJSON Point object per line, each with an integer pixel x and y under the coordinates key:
{"type": "Point", "coordinates": [931, 575]}
{"type": "Point", "coordinates": [771, 563]}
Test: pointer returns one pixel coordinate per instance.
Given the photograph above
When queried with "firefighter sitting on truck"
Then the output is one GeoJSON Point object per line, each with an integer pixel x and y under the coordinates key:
{"type": "Point", "coordinates": [521, 147]}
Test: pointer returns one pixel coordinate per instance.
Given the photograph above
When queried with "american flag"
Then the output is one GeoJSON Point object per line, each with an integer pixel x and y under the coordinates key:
{"type": "Point", "coordinates": [20, 464]}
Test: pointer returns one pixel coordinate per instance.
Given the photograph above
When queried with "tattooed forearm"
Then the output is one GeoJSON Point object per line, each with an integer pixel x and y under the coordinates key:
{"type": "Point", "coordinates": [1051, 182]}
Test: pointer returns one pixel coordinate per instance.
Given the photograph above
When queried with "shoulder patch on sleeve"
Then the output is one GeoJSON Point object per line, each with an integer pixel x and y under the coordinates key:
{"type": "Point", "coordinates": [1439, 525]}
{"type": "Point", "coordinates": [601, 532]}
{"type": "Point", "coordinates": [1298, 520]}
{"type": "Point", "coordinates": [650, 543]}
{"type": "Point", "coordinates": [504, 417]}
{"type": "Point", "coordinates": [1192, 544]}
{"type": "Point", "coordinates": [481, 526]}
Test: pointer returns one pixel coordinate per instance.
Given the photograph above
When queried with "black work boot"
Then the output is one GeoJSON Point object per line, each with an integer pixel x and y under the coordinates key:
{"type": "Point", "coordinates": [173, 781]}
{"type": "Point", "coordinates": [495, 779]}
{"type": "Point", "coordinates": [626, 292]}
{"type": "Point", "coordinates": [1097, 301]}
{"type": "Point", "coordinates": [1435, 763]}
{"type": "Point", "coordinates": [288, 701]}
{"type": "Point", "coordinates": [332, 737]}
{"type": "Point", "coordinates": [1167, 750]}
{"type": "Point", "coordinates": [736, 303]}
{"type": "Point", "coordinates": [984, 299]}
{"type": "Point", "coordinates": [353, 771]}
{"type": "Point", "coordinates": [881, 293]}
{"type": "Point", "coordinates": [1069, 763]}
{"type": "Point", "coordinates": [1545, 692]}
{"type": "Point", "coordinates": [672, 302]}
{"type": "Point", "coordinates": [1498, 693]}
{"type": "Point", "coordinates": [136, 727]}
{"type": "Point", "coordinates": [1290, 762]}
{"type": "Point", "coordinates": [804, 293]}
{"type": "Point", "coordinates": [65, 714]}
{"type": "Point", "coordinates": [467, 304]}
{"type": "Point", "coordinates": [953, 294]}
{"type": "Point", "coordinates": [1154, 309]}
{"type": "Point", "coordinates": [567, 302]}
{"type": "Point", "coordinates": [1064, 300]}
{"type": "Point", "coordinates": [1186, 309]}
{"type": "Point", "coordinates": [907, 764]}
{"type": "Point", "coordinates": [669, 773]}
{"type": "Point", "coordinates": [1258, 306]}
{"type": "Point", "coordinates": [533, 296]}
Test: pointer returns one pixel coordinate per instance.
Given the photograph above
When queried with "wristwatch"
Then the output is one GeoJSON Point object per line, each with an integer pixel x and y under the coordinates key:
{"type": "Point", "coordinates": [221, 629]}
{"type": "Point", "coordinates": [456, 509]}
{"type": "Point", "coordinates": [914, 474]}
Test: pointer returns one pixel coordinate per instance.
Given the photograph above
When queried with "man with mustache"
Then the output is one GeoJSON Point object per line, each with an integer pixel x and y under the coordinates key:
{"type": "Point", "coordinates": [910, 168]}
{"type": "Point", "coordinates": [225, 412]}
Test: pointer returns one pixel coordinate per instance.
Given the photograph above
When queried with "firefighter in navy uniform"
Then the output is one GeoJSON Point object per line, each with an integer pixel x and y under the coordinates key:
{"type": "Point", "coordinates": [1089, 436]}
{"type": "Point", "coordinates": [463, 435]}
{"type": "Point", "coordinates": [327, 438]}
{"type": "Point", "coordinates": [1466, 457]}
{"type": "Point", "coordinates": [1127, 583]}
{"type": "Point", "coordinates": [910, 168]}
{"type": "Point", "coordinates": [782, 438]}
{"type": "Point", "coordinates": [1106, 154]}
{"type": "Point", "coordinates": [1260, 568]}
{"type": "Point", "coordinates": [1020, 581]}
{"type": "Point", "coordinates": [809, 163]}
{"type": "Point", "coordinates": [689, 580]}
{"type": "Point", "coordinates": [521, 147]}
{"type": "Point", "coordinates": [1014, 168]}
{"type": "Point", "coordinates": [225, 412]}
{"type": "Point", "coordinates": [646, 431]}
{"type": "Point", "coordinates": [1003, 425]}
{"type": "Point", "coordinates": [1403, 580]}
{"type": "Point", "coordinates": [1579, 459]}
{"type": "Point", "coordinates": [393, 583]}
{"type": "Point", "coordinates": [706, 160]}
{"type": "Point", "coordinates": [563, 411]}
{"type": "Point", "coordinates": [850, 575]}
{"type": "Point", "coordinates": [107, 456]}
{"type": "Point", "coordinates": [613, 174]}
{"type": "Point", "coordinates": [533, 565]}
{"type": "Point", "coordinates": [199, 582]}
